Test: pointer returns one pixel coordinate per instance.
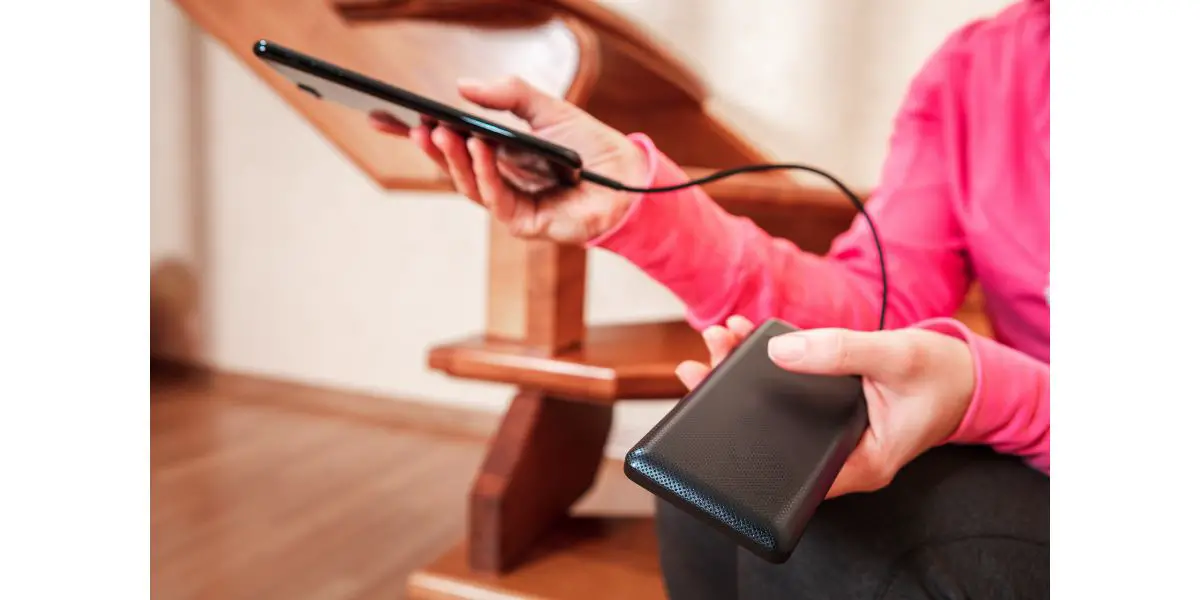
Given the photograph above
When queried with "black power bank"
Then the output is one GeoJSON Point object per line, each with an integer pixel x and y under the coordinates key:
{"type": "Point", "coordinates": [753, 450]}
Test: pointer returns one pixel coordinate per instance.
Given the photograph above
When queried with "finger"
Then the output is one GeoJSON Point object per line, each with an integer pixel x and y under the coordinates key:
{"type": "Point", "coordinates": [421, 136]}
{"type": "Point", "coordinates": [860, 473]}
{"type": "Point", "coordinates": [496, 196]}
{"type": "Point", "coordinates": [514, 95]}
{"type": "Point", "coordinates": [691, 373]}
{"type": "Point", "coordinates": [720, 343]}
{"type": "Point", "coordinates": [740, 326]}
{"type": "Point", "coordinates": [388, 124]}
{"type": "Point", "coordinates": [458, 161]}
{"type": "Point", "coordinates": [885, 356]}
{"type": "Point", "coordinates": [850, 479]}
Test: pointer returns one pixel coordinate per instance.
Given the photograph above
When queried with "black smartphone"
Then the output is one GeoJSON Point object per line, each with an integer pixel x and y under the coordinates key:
{"type": "Point", "coordinates": [754, 449]}
{"type": "Point", "coordinates": [539, 165]}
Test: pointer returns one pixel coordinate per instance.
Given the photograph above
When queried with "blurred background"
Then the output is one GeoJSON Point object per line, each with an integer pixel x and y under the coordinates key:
{"type": "Point", "coordinates": [290, 280]}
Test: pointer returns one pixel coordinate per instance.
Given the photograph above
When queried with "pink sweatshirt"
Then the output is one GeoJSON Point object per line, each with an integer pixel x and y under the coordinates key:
{"type": "Point", "coordinates": [964, 196]}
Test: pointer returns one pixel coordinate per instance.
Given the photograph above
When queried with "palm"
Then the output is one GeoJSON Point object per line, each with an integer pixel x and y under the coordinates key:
{"type": "Point", "coordinates": [862, 460]}
{"type": "Point", "coordinates": [570, 216]}
{"type": "Point", "coordinates": [576, 214]}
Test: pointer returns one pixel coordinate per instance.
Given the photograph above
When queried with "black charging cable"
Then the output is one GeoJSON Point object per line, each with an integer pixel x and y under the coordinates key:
{"type": "Point", "coordinates": [850, 195]}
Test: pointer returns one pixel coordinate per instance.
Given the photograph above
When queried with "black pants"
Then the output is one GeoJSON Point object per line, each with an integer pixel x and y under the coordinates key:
{"type": "Point", "coordinates": [957, 522]}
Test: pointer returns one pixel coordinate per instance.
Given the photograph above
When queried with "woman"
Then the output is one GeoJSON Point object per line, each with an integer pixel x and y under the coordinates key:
{"type": "Point", "coordinates": [947, 494]}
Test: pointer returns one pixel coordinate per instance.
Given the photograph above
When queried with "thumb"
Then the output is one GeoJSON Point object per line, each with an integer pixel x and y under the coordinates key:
{"type": "Point", "coordinates": [517, 96]}
{"type": "Point", "coordinates": [883, 356]}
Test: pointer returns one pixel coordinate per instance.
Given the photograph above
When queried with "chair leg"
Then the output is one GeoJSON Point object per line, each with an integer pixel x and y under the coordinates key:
{"type": "Point", "coordinates": [542, 459]}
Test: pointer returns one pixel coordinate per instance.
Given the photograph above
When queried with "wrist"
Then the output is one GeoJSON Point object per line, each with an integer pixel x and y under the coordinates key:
{"type": "Point", "coordinates": [636, 167]}
{"type": "Point", "coordinates": [959, 383]}
{"type": "Point", "coordinates": [1009, 402]}
{"type": "Point", "coordinates": [617, 208]}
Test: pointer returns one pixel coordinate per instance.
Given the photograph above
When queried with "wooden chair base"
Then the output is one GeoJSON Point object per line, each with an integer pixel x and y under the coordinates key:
{"type": "Point", "coordinates": [581, 559]}
{"type": "Point", "coordinates": [627, 362]}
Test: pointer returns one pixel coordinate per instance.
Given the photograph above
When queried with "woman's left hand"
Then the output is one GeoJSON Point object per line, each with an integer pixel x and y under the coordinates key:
{"type": "Point", "coordinates": [918, 385]}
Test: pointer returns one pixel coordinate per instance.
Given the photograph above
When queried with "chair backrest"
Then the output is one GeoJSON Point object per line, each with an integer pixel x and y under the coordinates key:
{"type": "Point", "coordinates": [423, 56]}
{"type": "Point", "coordinates": [577, 49]}
{"type": "Point", "coordinates": [640, 85]}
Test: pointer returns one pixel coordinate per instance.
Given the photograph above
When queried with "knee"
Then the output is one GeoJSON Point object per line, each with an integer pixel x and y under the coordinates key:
{"type": "Point", "coordinates": [697, 561]}
{"type": "Point", "coordinates": [953, 524]}
{"type": "Point", "coordinates": [837, 557]}
{"type": "Point", "coordinates": [678, 530]}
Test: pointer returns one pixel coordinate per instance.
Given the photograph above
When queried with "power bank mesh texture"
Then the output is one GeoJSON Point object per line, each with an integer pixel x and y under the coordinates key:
{"type": "Point", "coordinates": [753, 449]}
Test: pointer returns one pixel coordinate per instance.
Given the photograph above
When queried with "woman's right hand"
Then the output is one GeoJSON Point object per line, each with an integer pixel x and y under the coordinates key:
{"type": "Point", "coordinates": [571, 216]}
{"type": "Point", "coordinates": [918, 385]}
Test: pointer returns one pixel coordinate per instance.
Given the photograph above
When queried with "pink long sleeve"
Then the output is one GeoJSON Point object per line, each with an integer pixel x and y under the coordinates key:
{"type": "Point", "coordinates": [721, 265]}
{"type": "Point", "coordinates": [963, 197]}
{"type": "Point", "coordinates": [1010, 410]}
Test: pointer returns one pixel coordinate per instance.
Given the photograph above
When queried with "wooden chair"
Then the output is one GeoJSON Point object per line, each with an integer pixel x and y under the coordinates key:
{"type": "Point", "coordinates": [570, 374]}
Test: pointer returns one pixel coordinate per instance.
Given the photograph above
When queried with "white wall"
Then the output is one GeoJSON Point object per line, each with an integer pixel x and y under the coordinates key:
{"type": "Point", "coordinates": [311, 273]}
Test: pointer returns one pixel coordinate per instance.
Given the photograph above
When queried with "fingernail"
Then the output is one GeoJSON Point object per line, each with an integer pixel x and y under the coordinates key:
{"type": "Point", "coordinates": [787, 348]}
{"type": "Point", "coordinates": [711, 334]}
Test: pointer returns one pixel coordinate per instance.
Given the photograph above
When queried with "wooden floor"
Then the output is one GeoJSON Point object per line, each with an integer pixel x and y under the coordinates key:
{"type": "Point", "coordinates": [265, 490]}
{"type": "Point", "coordinates": [252, 500]}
